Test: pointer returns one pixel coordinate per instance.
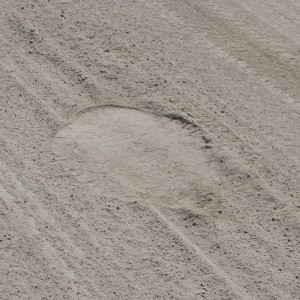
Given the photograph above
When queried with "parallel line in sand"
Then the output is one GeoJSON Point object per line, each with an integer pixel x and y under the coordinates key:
{"type": "Point", "coordinates": [235, 287]}
{"type": "Point", "coordinates": [231, 59]}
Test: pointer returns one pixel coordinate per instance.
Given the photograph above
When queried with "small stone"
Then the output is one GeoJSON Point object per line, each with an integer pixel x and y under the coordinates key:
{"type": "Point", "coordinates": [206, 139]}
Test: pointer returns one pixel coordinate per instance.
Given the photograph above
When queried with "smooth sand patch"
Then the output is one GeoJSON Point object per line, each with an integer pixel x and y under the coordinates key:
{"type": "Point", "coordinates": [135, 155]}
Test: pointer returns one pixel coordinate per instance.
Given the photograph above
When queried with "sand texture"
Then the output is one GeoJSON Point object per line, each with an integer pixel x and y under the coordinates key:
{"type": "Point", "coordinates": [150, 149]}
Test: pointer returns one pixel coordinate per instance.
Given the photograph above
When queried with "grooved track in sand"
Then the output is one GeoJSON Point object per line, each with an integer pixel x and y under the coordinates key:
{"type": "Point", "coordinates": [236, 288]}
{"type": "Point", "coordinates": [202, 11]}
{"type": "Point", "coordinates": [135, 205]}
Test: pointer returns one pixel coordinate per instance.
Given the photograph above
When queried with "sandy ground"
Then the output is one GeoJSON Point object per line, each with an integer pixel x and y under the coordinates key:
{"type": "Point", "coordinates": [149, 149]}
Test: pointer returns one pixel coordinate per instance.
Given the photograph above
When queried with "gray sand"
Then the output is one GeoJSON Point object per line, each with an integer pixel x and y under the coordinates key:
{"type": "Point", "coordinates": [149, 149]}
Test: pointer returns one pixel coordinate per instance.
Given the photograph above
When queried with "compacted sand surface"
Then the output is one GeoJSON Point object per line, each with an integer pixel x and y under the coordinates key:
{"type": "Point", "coordinates": [149, 149]}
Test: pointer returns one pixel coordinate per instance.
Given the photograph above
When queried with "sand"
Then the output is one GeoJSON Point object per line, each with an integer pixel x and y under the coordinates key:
{"type": "Point", "coordinates": [149, 149]}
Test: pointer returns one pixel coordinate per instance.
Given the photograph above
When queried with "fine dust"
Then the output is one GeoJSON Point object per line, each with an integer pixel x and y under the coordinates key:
{"type": "Point", "coordinates": [149, 149]}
